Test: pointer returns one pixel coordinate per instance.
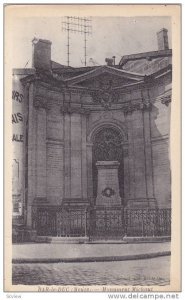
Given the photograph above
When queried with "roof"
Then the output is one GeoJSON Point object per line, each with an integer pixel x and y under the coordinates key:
{"type": "Point", "coordinates": [132, 70]}
{"type": "Point", "coordinates": [146, 63]}
{"type": "Point", "coordinates": [23, 71]}
{"type": "Point", "coordinates": [55, 65]}
{"type": "Point", "coordinates": [138, 64]}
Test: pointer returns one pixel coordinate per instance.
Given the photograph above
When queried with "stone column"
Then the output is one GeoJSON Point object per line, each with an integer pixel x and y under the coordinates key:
{"type": "Point", "coordinates": [84, 156]}
{"type": "Point", "coordinates": [89, 171]}
{"type": "Point", "coordinates": [41, 153]}
{"type": "Point", "coordinates": [138, 167]}
{"type": "Point", "coordinates": [126, 178]}
{"type": "Point", "coordinates": [130, 157]}
{"type": "Point", "coordinates": [31, 155]}
{"type": "Point", "coordinates": [36, 152]}
{"type": "Point", "coordinates": [67, 156]}
{"type": "Point", "coordinates": [108, 184]}
{"type": "Point", "coordinates": [139, 158]}
{"type": "Point", "coordinates": [76, 164]}
{"type": "Point", "coordinates": [148, 156]}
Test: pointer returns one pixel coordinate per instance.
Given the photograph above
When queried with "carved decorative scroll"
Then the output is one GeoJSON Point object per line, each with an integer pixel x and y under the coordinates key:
{"type": "Point", "coordinates": [130, 107]}
{"type": "Point", "coordinates": [166, 100]}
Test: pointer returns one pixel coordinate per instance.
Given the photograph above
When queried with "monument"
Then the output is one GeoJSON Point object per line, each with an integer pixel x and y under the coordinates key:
{"type": "Point", "coordinates": [108, 184]}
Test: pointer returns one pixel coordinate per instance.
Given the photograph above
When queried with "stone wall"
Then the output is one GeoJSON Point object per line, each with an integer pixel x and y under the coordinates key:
{"type": "Point", "coordinates": [62, 148]}
{"type": "Point", "coordinates": [55, 151]}
{"type": "Point", "coordinates": [160, 135]}
{"type": "Point", "coordinates": [54, 169]}
{"type": "Point", "coordinates": [60, 151]}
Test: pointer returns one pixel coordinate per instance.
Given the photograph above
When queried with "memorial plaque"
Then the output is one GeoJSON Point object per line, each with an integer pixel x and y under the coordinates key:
{"type": "Point", "coordinates": [108, 184]}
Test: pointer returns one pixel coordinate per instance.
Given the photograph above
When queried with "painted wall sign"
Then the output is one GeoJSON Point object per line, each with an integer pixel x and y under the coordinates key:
{"type": "Point", "coordinates": [18, 145]}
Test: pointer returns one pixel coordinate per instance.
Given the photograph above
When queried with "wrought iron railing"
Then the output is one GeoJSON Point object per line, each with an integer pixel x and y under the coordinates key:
{"type": "Point", "coordinates": [101, 222]}
{"type": "Point", "coordinates": [147, 222]}
{"type": "Point", "coordinates": [59, 221]}
{"type": "Point", "coordinates": [106, 223]}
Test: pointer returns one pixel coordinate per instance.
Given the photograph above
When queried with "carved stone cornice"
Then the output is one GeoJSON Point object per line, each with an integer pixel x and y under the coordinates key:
{"type": "Point", "coordinates": [166, 100]}
{"type": "Point", "coordinates": [39, 102]}
{"type": "Point", "coordinates": [67, 109]}
{"type": "Point", "coordinates": [147, 105]}
{"type": "Point", "coordinates": [127, 109]}
{"type": "Point", "coordinates": [130, 107]}
{"type": "Point", "coordinates": [28, 79]}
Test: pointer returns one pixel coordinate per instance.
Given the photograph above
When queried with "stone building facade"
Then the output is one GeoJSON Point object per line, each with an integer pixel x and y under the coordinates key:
{"type": "Point", "coordinates": [96, 145]}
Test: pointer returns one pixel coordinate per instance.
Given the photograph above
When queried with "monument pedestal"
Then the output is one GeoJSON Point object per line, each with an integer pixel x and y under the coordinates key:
{"type": "Point", "coordinates": [108, 184]}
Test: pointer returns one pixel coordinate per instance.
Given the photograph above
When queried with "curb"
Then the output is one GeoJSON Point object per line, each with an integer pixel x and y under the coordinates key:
{"type": "Point", "coordinates": [132, 241]}
{"type": "Point", "coordinates": [90, 259]}
{"type": "Point", "coordinates": [84, 240]}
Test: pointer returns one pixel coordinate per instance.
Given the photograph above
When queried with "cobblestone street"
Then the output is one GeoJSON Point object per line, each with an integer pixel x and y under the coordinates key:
{"type": "Point", "coordinates": [137, 272]}
{"type": "Point", "coordinates": [132, 272]}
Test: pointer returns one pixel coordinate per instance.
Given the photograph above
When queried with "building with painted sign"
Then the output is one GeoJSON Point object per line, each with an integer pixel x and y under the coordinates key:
{"type": "Point", "coordinates": [92, 146]}
{"type": "Point", "coordinates": [19, 145]}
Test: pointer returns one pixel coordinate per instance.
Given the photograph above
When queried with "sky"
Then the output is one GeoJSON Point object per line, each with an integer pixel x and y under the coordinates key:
{"type": "Point", "coordinates": [116, 36]}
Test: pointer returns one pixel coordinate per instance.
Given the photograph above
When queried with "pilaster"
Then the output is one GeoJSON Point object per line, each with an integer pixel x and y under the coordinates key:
{"type": "Point", "coordinates": [31, 154]}
{"type": "Point", "coordinates": [84, 156]}
{"type": "Point", "coordinates": [140, 192]}
{"type": "Point", "coordinates": [89, 171]}
{"type": "Point", "coordinates": [67, 156]}
{"type": "Point", "coordinates": [148, 154]}
{"type": "Point", "coordinates": [40, 149]}
{"type": "Point", "coordinates": [76, 155]}
{"type": "Point", "coordinates": [130, 159]}
{"type": "Point", "coordinates": [139, 155]}
{"type": "Point", "coordinates": [126, 167]}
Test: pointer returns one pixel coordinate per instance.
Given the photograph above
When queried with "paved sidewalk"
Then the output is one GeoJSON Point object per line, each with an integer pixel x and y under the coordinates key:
{"type": "Point", "coordinates": [87, 252]}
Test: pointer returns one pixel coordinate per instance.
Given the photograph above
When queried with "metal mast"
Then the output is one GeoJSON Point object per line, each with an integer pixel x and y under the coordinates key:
{"type": "Point", "coordinates": [77, 25]}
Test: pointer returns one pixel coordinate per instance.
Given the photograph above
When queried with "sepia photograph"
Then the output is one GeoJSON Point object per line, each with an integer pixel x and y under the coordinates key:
{"type": "Point", "coordinates": [92, 192]}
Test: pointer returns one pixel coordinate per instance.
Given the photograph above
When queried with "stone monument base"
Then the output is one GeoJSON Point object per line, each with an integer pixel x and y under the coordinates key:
{"type": "Point", "coordinates": [108, 184]}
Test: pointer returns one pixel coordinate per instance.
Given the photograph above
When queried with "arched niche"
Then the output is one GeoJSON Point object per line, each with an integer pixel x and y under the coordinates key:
{"type": "Point", "coordinates": [108, 142]}
{"type": "Point", "coordinates": [98, 126]}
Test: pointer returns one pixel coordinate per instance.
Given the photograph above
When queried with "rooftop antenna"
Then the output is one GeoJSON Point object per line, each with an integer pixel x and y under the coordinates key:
{"type": "Point", "coordinates": [26, 64]}
{"type": "Point", "coordinates": [77, 25]}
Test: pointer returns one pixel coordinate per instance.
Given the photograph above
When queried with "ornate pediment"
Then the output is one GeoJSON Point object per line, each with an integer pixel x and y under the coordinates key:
{"type": "Point", "coordinates": [105, 74]}
{"type": "Point", "coordinates": [102, 83]}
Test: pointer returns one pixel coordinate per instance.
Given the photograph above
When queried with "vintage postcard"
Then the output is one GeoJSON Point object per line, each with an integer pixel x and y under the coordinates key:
{"type": "Point", "coordinates": [92, 148]}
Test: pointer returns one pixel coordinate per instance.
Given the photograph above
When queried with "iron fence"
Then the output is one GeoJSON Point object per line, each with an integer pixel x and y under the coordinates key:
{"type": "Point", "coordinates": [59, 221]}
{"type": "Point", "coordinates": [147, 222]}
{"type": "Point", "coordinates": [106, 223]}
{"type": "Point", "coordinates": [101, 222]}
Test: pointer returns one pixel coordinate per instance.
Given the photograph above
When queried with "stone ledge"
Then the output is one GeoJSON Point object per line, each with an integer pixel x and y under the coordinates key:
{"type": "Point", "coordinates": [134, 240]}
{"type": "Point", "coordinates": [148, 239]}
{"type": "Point", "coordinates": [62, 240]}
{"type": "Point", "coordinates": [85, 240]}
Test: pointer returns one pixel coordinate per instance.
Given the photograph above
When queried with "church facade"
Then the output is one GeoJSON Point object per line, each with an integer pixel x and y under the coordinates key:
{"type": "Point", "coordinates": [96, 146]}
